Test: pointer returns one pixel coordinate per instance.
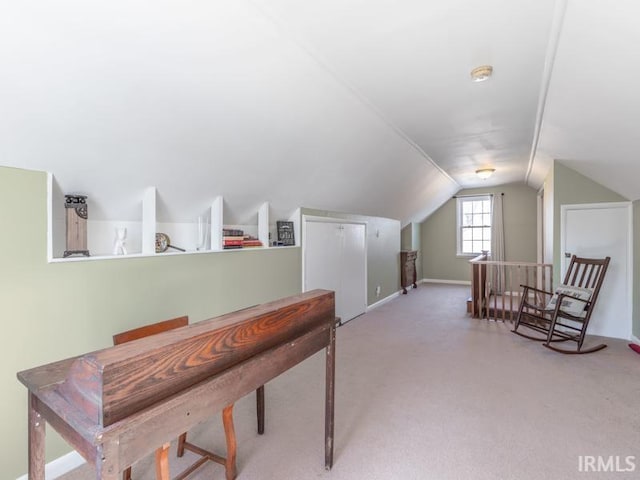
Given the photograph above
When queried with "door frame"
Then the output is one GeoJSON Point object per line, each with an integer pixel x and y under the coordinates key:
{"type": "Point", "coordinates": [315, 218]}
{"type": "Point", "coordinates": [592, 206]}
{"type": "Point", "coordinates": [540, 230]}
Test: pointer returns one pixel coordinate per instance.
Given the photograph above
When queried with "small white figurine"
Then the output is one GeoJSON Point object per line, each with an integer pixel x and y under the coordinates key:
{"type": "Point", "coordinates": [118, 245]}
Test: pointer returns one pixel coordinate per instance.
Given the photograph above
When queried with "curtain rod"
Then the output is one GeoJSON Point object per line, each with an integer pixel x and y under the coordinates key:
{"type": "Point", "coordinates": [477, 195]}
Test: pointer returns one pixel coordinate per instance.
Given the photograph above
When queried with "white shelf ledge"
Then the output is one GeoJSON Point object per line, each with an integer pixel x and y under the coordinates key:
{"type": "Point", "coordinates": [164, 254]}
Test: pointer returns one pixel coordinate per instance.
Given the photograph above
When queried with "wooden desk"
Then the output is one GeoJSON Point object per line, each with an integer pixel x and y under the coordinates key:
{"type": "Point", "coordinates": [117, 405]}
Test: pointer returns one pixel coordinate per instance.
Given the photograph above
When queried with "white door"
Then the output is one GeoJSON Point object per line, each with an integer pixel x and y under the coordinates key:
{"type": "Point", "coordinates": [335, 259]}
{"type": "Point", "coordinates": [597, 231]}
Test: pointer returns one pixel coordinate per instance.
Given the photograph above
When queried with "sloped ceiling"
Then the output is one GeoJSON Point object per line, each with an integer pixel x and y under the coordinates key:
{"type": "Point", "coordinates": [348, 105]}
{"type": "Point", "coordinates": [592, 114]}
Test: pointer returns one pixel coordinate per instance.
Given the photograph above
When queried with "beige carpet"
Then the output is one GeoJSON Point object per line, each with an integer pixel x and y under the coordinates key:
{"type": "Point", "coordinates": [425, 392]}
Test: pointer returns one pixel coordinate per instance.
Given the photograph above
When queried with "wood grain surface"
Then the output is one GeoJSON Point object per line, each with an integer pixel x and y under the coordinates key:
{"type": "Point", "coordinates": [111, 384]}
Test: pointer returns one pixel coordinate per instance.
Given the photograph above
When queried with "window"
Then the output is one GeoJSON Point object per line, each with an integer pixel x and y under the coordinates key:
{"type": "Point", "coordinates": [474, 224]}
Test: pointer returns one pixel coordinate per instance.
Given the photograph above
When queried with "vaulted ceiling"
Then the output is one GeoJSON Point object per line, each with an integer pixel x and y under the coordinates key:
{"type": "Point", "coordinates": [349, 105]}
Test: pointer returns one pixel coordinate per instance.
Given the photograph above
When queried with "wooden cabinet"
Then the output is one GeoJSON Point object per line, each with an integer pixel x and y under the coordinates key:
{"type": "Point", "coordinates": [408, 269]}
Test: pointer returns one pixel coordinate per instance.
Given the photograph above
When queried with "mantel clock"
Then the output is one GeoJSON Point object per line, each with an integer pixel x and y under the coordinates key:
{"type": "Point", "coordinates": [76, 215]}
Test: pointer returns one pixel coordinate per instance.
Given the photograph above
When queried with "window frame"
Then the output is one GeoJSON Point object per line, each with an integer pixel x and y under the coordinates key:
{"type": "Point", "coordinates": [459, 227]}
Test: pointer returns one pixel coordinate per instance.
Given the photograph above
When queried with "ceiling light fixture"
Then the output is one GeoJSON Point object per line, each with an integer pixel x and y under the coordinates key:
{"type": "Point", "coordinates": [485, 173]}
{"type": "Point", "coordinates": [481, 73]}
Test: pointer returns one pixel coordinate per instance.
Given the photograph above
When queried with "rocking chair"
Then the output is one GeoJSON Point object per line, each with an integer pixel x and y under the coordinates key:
{"type": "Point", "coordinates": [564, 315]}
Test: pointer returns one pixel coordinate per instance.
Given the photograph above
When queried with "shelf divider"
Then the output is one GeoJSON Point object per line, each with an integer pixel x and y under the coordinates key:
{"type": "Point", "coordinates": [216, 223]}
{"type": "Point", "coordinates": [263, 224]}
{"type": "Point", "coordinates": [149, 221]}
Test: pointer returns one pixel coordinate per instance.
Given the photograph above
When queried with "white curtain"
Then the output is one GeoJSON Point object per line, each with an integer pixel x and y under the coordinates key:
{"type": "Point", "coordinates": [497, 241]}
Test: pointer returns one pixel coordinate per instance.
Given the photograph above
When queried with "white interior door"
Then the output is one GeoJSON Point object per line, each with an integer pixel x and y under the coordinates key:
{"type": "Point", "coordinates": [597, 231]}
{"type": "Point", "coordinates": [335, 259]}
{"type": "Point", "coordinates": [353, 274]}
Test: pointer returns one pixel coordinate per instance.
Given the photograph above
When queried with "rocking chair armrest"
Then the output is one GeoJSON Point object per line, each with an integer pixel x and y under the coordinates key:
{"type": "Point", "coordinates": [529, 287]}
{"type": "Point", "coordinates": [539, 290]}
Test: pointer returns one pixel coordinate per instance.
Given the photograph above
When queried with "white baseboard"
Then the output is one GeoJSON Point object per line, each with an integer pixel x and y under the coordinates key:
{"type": "Point", "coordinates": [451, 282]}
{"type": "Point", "coordinates": [61, 465]}
{"type": "Point", "coordinates": [635, 339]}
{"type": "Point", "coordinates": [383, 301]}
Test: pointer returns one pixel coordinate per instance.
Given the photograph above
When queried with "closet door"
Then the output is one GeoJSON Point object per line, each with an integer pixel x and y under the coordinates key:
{"type": "Point", "coordinates": [335, 259]}
{"type": "Point", "coordinates": [322, 246]}
{"type": "Point", "coordinates": [353, 274]}
{"type": "Point", "coordinates": [598, 230]}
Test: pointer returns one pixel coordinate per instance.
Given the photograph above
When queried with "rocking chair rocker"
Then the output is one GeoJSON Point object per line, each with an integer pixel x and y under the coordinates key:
{"type": "Point", "coordinates": [564, 315]}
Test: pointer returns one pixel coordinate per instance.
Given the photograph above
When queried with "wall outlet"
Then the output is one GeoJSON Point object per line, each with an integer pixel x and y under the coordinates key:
{"type": "Point", "coordinates": [377, 291]}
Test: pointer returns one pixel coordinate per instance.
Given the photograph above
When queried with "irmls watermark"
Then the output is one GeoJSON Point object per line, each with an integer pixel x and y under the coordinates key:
{"type": "Point", "coordinates": [606, 463]}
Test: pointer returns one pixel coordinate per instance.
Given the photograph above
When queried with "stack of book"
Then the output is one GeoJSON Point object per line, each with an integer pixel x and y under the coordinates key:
{"type": "Point", "coordinates": [251, 242]}
{"type": "Point", "coordinates": [232, 238]}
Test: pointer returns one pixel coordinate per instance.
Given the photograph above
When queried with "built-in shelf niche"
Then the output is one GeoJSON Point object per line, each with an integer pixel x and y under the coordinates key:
{"type": "Point", "coordinates": [140, 239]}
{"type": "Point", "coordinates": [259, 230]}
{"type": "Point", "coordinates": [191, 236]}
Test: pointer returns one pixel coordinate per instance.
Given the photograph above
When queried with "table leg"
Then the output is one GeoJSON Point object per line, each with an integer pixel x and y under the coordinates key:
{"type": "Point", "coordinates": [329, 400]}
{"type": "Point", "coordinates": [108, 461]}
{"type": "Point", "coordinates": [182, 439]}
{"type": "Point", "coordinates": [260, 408]}
{"type": "Point", "coordinates": [230, 437]}
{"type": "Point", "coordinates": [36, 440]}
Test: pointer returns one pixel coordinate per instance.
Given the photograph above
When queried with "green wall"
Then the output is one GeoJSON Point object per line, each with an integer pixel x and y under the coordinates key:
{"type": "Point", "coordinates": [438, 233]}
{"type": "Point", "coordinates": [406, 237]}
{"type": "Point", "coordinates": [383, 251]}
{"type": "Point", "coordinates": [53, 311]}
{"type": "Point", "coordinates": [416, 245]}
